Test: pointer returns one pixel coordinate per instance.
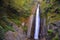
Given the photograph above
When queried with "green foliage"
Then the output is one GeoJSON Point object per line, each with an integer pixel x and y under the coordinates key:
{"type": "Point", "coordinates": [16, 21]}
{"type": "Point", "coordinates": [56, 37]}
{"type": "Point", "coordinates": [2, 31]}
{"type": "Point", "coordinates": [7, 28]}
{"type": "Point", "coordinates": [51, 12]}
{"type": "Point", "coordinates": [6, 25]}
{"type": "Point", "coordinates": [50, 31]}
{"type": "Point", "coordinates": [53, 36]}
{"type": "Point", "coordinates": [12, 11]}
{"type": "Point", "coordinates": [22, 6]}
{"type": "Point", "coordinates": [25, 4]}
{"type": "Point", "coordinates": [24, 28]}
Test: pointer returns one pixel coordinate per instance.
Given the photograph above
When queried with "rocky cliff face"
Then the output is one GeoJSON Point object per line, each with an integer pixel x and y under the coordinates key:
{"type": "Point", "coordinates": [16, 35]}
{"type": "Point", "coordinates": [30, 21]}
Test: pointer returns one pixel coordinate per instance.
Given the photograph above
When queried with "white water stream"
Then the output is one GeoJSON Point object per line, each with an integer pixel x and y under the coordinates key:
{"type": "Point", "coordinates": [37, 24]}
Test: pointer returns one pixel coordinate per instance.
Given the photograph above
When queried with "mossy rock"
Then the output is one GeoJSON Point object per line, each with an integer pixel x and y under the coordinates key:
{"type": "Point", "coordinates": [50, 31]}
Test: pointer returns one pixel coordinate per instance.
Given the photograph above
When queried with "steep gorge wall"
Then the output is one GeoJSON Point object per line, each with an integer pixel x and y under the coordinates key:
{"type": "Point", "coordinates": [30, 21]}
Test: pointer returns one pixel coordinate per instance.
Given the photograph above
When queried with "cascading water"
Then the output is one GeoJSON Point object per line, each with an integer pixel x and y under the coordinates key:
{"type": "Point", "coordinates": [37, 24]}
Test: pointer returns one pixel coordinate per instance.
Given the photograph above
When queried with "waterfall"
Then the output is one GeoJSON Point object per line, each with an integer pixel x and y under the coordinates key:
{"type": "Point", "coordinates": [37, 23]}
